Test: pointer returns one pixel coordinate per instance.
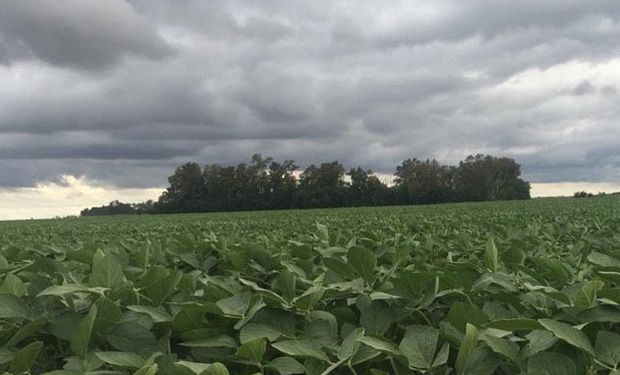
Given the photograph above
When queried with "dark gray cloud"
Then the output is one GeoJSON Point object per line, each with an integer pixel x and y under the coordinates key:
{"type": "Point", "coordinates": [122, 91]}
{"type": "Point", "coordinates": [86, 34]}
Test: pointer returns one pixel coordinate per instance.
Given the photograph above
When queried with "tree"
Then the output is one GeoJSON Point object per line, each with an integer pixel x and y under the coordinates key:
{"type": "Point", "coordinates": [322, 186]}
{"type": "Point", "coordinates": [365, 189]}
{"type": "Point", "coordinates": [282, 184]}
{"type": "Point", "coordinates": [186, 189]}
{"type": "Point", "coordinates": [113, 208]}
{"type": "Point", "coordinates": [267, 184]}
{"type": "Point", "coordinates": [487, 178]}
{"type": "Point", "coordinates": [422, 182]}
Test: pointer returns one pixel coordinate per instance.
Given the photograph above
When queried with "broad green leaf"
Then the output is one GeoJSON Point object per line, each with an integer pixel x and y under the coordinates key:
{"type": "Point", "coordinates": [25, 357]}
{"type": "Point", "coordinates": [81, 337]}
{"type": "Point", "coordinates": [301, 348]}
{"type": "Point", "coordinates": [132, 336]}
{"type": "Point", "coordinates": [363, 262]}
{"type": "Point", "coordinates": [286, 283]}
{"type": "Point", "coordinates": [216, 369]}
{"type": "Point", "coordinates": [461, 314]}
{"type": "Point", "coordinates": [12, 306]}
{"type": "Point", "coordinates": [286, 366]}
{"type": "Point", "coordinates": [607, 347]}
{"type": "Point", "coordinates": [568, 333]}
{"type": "Point", "coordinates": [108, 314]}
{"type": "Point", "coordinates": [159, 283]}
{"type": "Point", "coordinates": [514, 324]}
{"type": "Point", "coordinates": [490, 255]}
{"type": "Point", "coordinates": [122, 359]}
{"type": "Point", "coordinates": [481, 362]}
{"type": "Point", "coordinates": [603, 260]}
{"type": "Point", "coordinates": [381, 344]}
{"type": "Point", "coordinates": [548, 363]}
{"type": "Point", "coordinates": [350, 345]}
{"type": "Point", "coordinates": [419, 345]}
{"type": "Point", "coordinates": [223, 341]}
{"type": "Point", "coordinates": [253, 331]}
{"type": "Point", "coordinates": [106, 271]}
{"type": "Point", "coordinates": [253, 350]}
{"type": "Point", "coordinates": [28, 330]}
{"type": "Point", "coordinates": [158, 314]}
{"type": "Point", "coordinates": [236, 305]}
{"type": "Point", "coordinates": [538, 342]}
{"type": "Point", "coordinates": [13, 285]}
{"type": "Point", "coordinates": [147, 370]}
{"type": "Point", "coordinates": [467, 347]}
{"type": "Point", "coordinates": [61, 290]}
{"type": "Point", "coordinates": [505, 348]}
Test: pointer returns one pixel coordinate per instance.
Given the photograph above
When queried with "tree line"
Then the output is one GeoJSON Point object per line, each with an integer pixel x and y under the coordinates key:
{"type": "Point", "coordinates": [266, 184]}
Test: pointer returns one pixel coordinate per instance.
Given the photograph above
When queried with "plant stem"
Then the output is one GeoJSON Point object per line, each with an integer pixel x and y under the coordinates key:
{"type": "Point", "coordinates": [333, 366]}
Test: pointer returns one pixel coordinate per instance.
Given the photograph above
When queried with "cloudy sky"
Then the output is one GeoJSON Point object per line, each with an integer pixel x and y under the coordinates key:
{"type": "Point", "coordinates": [102, 99]}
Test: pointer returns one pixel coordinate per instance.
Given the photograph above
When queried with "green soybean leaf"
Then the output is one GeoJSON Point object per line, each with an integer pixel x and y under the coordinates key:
{"type": "Point", "coordinates": [158, 314]}
{"type": "Point", "coordinates": [223, 341]}
{"type": "Point", "coordinates": [466, 348]}
{"type": "Point", "coordinates": [147, 370]}
{"type": "Point", "coordinates": [25, 357]}
{"type": "Point", "coordinates": [505, 348]}
{"type": "Point", "coordinates": [514, 324]}
{"type": "Point", "coordinates": [61, 290]}
{"type": "Point", "coordinates": [253, 331]}
{"type": "Point", "coordinates": [607, 347]}
{"type": "Point", "coordinates": [548, 363]}
{"type": "Point", "coordinates": [12, 306]}
{"type": "Point", "coordinates": [301, 348]}
{"type": "Point", "coordinates": [419, 345]}
{"type": "Point", "coordinates": [13, 285]}
{"type": "Point", "coordinates": [363, 262]}
{"type": "Point", "coordinates": [461, 314]}
{"type": "Point", "coordinates": [28, 330]}
{"type": "Point", "coordinates": [350, 345]}
{"type": "Point", "coordinates": [81, 337]}
{"type": "Point", "coordinates": [603, 260]}
{"type": "Point", "coordinates": [286, 366]}
{"type": "Point", "coordinates": [490, 255]}
{"type": "Point", "coordinates": [538, 342]}
{"type": "Point", "coordinates": [106, 271]}
{"type": "Point", "coordinates": [236, 305]}
{"type": "Point", "coordinates": [122, 359]}
{"type": "Point", "coordinates": [253, 350]}
{"type": "Point", "coordinates": [568, 333]}
{"type": "Point", "coordinates": [381, 344]}
{"type": "Point", "coordinates": [216, 369]}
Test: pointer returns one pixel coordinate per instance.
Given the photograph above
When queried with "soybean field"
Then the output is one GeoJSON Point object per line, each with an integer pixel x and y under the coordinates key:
{"type": "Point", "coordinates": [523, 287]}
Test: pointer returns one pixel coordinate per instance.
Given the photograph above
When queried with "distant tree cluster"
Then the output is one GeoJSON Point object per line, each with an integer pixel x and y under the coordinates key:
{"type": "Point", "coordinates": [584, 194]}
{"type": "Point", "coordinates": [265, 184]}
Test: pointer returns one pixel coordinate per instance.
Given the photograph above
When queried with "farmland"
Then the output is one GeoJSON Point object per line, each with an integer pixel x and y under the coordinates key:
{"type": "Point", "coordinates": [527, 287]}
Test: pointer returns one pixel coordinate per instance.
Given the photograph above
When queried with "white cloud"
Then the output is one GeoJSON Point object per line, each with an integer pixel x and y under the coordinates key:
{"type": "Point", "coordinates": [67, 197]}
{"type": "Point", "coordinates": [557, 189]}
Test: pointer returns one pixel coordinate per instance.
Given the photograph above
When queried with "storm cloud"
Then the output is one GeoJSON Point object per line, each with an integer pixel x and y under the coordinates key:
{"type": "Point", "coordinates": [122, 91]}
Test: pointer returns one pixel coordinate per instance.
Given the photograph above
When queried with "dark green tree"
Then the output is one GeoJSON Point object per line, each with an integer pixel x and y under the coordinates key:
{"type": "Point", "coordinates": [322, 186]}
{"type": "Point", "coordinates": [282, 184]}
{"type": "Point", "coordinates": [488, 178]}
{"type": "Point", "coordinates": [423, 181]}
{"type": "Point", "coordinates": [365, 189]}
{"type": "Point", "coordinates": [186, 189]}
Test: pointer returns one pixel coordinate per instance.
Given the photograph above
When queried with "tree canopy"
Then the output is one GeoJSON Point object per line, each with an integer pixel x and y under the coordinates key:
{"type": "Point", "coordinates": [264, 184]}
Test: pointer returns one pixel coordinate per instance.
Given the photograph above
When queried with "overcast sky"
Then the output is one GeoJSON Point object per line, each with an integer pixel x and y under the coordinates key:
{"type": "Point", "coordinates": [109, 96]}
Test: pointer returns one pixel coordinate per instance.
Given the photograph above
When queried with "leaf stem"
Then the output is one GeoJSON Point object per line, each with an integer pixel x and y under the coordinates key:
{"type": "Point", "coordinates": [333, 366]}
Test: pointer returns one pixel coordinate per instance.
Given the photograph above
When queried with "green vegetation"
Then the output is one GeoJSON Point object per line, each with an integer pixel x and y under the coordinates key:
{"type": "Point", "coordinates": [265, 184]}
{"type": "Point", "coordinates": [528, 287]}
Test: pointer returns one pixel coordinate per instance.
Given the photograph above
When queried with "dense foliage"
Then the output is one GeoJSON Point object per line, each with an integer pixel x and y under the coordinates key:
{"type": "Point", "coordinates": [266, 184]}
{"type": "Point", "coordinates": [529, 287]}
